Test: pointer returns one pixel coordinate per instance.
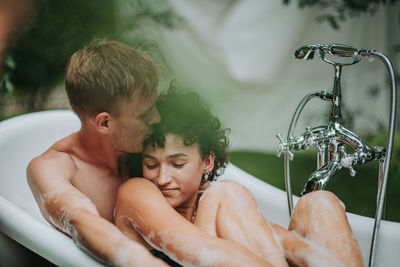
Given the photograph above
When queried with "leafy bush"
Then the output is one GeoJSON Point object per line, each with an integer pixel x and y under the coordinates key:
{"type": "Point", "coordinates": [339, 10]}
{"type": "Point", "coordinates": [36, 63]}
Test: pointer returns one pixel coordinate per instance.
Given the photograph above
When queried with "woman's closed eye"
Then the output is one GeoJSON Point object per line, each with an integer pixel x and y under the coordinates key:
{"type": "Point", "coordinates": [178, 164]}
{"type": "Point", "coordinates": [151, 165]}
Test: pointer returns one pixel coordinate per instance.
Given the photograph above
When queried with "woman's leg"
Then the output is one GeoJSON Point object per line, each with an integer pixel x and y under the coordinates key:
{"type": "Point", "coordinates": [320, 233]}
{"type": "Point", "coordinates": [228, 210]}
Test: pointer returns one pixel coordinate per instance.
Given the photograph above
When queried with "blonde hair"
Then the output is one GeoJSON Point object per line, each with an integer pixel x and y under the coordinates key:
{"type": "Point", "coordinates": [106, 72]}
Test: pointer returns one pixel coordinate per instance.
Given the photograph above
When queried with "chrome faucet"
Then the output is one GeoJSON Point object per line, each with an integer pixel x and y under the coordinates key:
{"type": "Point", "coordinates": [333, 138]}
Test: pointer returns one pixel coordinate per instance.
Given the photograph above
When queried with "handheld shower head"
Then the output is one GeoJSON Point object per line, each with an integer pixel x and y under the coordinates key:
{"type": "Point", "coordinates": [306, 52]}
{"type": "Point", "coordinates": [339, 54]}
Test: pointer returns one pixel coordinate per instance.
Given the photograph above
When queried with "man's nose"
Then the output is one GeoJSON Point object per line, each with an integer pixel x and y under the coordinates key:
{"type": "Point", "coordinates": [163, 177]}
{"type": "Point", "coordinates": [156, 117]}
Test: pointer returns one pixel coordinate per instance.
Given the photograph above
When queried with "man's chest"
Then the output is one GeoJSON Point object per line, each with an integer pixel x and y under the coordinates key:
{"type": "Point", "coordinates": [100, 186]}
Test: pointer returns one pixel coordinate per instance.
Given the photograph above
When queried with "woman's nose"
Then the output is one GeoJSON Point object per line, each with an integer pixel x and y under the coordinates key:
{"type": "Point", "coordinates": [163, 177]}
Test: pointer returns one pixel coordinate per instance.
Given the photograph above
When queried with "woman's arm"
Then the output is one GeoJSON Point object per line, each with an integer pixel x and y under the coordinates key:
{"type": "Point", "coordinates": [162, 227]}
{"type": "Point", "coordinates": [228, 210]}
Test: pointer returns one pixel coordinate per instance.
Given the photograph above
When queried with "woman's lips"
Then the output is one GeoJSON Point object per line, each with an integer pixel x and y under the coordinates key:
{"type": "Point", "coordinates": [168, 191]}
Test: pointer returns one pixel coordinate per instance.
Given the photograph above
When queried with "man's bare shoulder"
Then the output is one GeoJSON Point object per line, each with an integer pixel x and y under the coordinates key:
{"type": "Point", "coordinates": [55, 163]}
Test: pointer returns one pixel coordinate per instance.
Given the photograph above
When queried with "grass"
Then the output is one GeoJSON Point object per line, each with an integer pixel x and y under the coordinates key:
{"type": "Point", "coordinates": [358, 192]}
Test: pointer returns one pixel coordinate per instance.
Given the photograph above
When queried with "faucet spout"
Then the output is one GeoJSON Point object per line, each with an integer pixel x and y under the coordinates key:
{"type": "Point", "coordinates": [319, 178]}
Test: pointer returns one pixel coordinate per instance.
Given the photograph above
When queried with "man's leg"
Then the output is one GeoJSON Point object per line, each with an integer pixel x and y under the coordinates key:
{"type": "Point", "coordinates": [228, 210]}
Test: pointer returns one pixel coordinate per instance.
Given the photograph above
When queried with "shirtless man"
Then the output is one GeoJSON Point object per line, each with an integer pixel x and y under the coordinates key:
{"type": "Point", "coordinates": [112, 88]}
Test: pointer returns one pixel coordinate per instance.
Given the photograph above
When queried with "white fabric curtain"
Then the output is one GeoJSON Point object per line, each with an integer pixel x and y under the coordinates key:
{"type": "Point", "coordinates": [238, 55]}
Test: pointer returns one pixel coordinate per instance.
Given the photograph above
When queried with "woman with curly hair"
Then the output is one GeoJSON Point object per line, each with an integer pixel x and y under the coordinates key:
{"type": "Point", "coordinates": [185, 153]}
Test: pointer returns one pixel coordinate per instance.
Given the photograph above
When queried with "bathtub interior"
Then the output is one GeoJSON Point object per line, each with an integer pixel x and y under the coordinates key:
{"type": "Point", "coordinates": [24, 137]}
{"type": "Point", "coordinates": [21, 143]}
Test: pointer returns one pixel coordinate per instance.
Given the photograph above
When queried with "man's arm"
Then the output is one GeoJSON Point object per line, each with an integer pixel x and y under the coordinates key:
{"type": "Point", "coordinates": [73, 213]}
{"type": "Point", "coordinates": [162, 227]}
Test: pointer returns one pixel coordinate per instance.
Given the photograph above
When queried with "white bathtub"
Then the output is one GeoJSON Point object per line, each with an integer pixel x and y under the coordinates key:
{"type": "Point", "coordinates": [26, 136]}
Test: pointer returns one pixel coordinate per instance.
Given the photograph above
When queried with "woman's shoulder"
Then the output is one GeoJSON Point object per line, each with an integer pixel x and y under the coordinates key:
{"type": "Point", "coordinates": [222, 187]}
{"type": "Point", "coordinates": [222, 184]}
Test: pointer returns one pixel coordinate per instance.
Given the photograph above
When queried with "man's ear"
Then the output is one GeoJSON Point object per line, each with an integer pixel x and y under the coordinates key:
{"type": "Point", "coordinates": [101, 122]}
{"type": "Point", "coordinates": [209, 162]}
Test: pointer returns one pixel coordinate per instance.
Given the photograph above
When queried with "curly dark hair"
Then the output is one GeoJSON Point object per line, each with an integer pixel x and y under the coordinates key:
{"type": "Point", "coordinates": [185, 114]}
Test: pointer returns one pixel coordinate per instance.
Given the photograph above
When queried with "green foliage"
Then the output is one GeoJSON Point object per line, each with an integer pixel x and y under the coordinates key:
{"type": "Point", "coordinates": [59, 28]}
{"type": "Point", "coordinates": [380, 139]}
{"type": "Point", "coordinates": [5, 81]}
{"type": "Point", "coordinates": [339, 10]}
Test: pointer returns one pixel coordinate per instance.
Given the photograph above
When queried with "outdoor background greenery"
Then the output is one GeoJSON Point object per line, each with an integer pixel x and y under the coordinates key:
{"type": "Point", "coordinates": [36, 62]}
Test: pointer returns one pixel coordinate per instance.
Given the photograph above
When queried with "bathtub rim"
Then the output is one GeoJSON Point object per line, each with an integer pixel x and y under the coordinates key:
{"type": "Point", "coordinates": [15, 227]}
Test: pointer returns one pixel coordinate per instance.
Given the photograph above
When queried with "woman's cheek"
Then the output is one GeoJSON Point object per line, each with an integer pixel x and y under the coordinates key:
{"type": "Point", "coordinates": [148, 174]}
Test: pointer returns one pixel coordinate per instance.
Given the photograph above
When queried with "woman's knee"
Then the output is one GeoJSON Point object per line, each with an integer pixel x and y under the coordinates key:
{"type": "Point", "coordinates": [313, 205]}
{"type": "Point", "coordinates": [320, 198]}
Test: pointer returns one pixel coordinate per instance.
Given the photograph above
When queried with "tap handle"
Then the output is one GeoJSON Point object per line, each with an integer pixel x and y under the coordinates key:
{"type": "Point", "coordinates": [347, 160]}
{"type": "Point", "coordinates": [283, 147]}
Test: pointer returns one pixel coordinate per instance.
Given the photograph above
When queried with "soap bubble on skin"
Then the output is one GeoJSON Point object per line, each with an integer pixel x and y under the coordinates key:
{"type": "Point", "coordinates": [166, 242]}
{"type": "Point", "coordinates": [124, 252]}
{"type": "Point", "coordinates": [199, 254]}
{"type": "Point", "coordinates": [149, 238]}
{"type": "Point", "coordinates": [315, 256]}
{"type": "Point", "coordinates": [318, 222]}
{"type": "Point", "coordinates": [61, 218]}
{"type": "Point", "coordinates": [137, 215]}
{"type": "Point", "coordinates": [121, 257]}
{"type": "Point", "coordinates": [131, 221]}
{"type": "Point", "coordinates": [238, 200]}
{"type": "Point", "coordinates": [259, 237]}
{"type": "Point", "coordinates": [209, 256]}
{"type": "Point", "coordinates": [275, 236]}
{"type": "Point", "coordinates": [135, 220]}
